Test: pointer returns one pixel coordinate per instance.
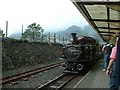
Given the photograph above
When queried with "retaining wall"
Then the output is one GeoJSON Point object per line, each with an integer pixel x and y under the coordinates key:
{"type": "Point", "coordinates": [16, 53]}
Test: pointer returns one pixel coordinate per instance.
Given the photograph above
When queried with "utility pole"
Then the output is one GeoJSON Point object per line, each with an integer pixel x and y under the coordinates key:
{"type": "Point", "coordinates": [1, 32]}
{"type": "Point", "coordinates": [42, 34]}
{"type": "Point", "coordinates": [63, 40]}
{"type": "Point", "coordinates": [49, 36]}
{"type": "Point", "coordinates": [6, 28]}
{"type": "Point", "coordinates": [54, 38]}
{"type": "Point", "coordinates": [33, 34]}
{"type": "Point", "coordinates": [59, 39]}
{"type": "Point", "coordinates": [22, 31]}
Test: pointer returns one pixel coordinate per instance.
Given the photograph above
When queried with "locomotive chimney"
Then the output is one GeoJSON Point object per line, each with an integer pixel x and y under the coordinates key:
{"type": "Point", "coordinates": [74, 37]}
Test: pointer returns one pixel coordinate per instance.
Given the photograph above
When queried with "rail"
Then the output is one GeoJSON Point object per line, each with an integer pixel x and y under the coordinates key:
{"type": "Point", "coordinates": [28, 73]}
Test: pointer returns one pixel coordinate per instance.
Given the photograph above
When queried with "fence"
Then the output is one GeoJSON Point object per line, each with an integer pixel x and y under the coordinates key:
{"type": "Point", "coordinates": [47, 37]}
{"type": "Point", "coordinates": [54, 38]}
{"type": "Point", "coordinates": [43, 37]}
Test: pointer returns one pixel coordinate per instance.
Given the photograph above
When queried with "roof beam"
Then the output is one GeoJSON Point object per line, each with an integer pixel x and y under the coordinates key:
{"type": "Point", "coordinates": [107, 35]}
{"type": "Point", "coordinates": [97, 2]}
{"type": "Point", "coordinates": [108, 28]}
{"type": "Point", "coordinates": [108, 18]}
{"type": "Point", "coordinates": [105, 20]}
{"type": "Point", "coordinates": [109, 32]}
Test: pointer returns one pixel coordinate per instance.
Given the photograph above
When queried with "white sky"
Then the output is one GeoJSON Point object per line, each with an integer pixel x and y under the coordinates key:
{"type": "Point", "coordinates": [52, 15]}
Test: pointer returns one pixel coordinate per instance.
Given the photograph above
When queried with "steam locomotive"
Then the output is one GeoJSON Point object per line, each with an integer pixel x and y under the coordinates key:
{"type": "Point", "coordinates": [79, 54]}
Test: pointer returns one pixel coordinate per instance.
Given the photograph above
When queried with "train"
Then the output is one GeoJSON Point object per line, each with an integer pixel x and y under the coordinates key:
{"type": "Point", "coordinates": [79, 54]}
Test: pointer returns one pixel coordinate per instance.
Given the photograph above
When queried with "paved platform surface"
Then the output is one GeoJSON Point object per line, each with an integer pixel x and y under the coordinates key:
{"type": "Point", "coordinates": [95, 78]}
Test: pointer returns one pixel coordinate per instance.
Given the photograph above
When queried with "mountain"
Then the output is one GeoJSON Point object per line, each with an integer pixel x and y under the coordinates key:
{"type": "Point", "coordinates": [72, 29]}
{"type": "Point", "coordinates": [85, 31]}
{"type": "Point", "coordinates": [16, 36]}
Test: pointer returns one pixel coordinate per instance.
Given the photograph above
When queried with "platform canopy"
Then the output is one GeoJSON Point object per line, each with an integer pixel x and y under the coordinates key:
{"type": "Point", "coordinates": [102, 15]}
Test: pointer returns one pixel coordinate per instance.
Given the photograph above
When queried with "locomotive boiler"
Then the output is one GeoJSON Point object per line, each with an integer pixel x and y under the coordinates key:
{"type": "Point", "coordinates": [79, 54]}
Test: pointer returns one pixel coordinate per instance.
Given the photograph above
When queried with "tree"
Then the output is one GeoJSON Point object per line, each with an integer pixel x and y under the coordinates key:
{"type": "Point", "coordinates": [1, 33]}
{"type": "Point", "coordinates": [33, 32]}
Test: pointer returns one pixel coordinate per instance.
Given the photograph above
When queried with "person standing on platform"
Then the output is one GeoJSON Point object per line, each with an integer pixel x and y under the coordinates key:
{"type": "Point", "coordinates": [117, 66]}
{"type": "Point", "coordinates": [111, 67]}
{"type": "Point", "coordinates": [107, 50]}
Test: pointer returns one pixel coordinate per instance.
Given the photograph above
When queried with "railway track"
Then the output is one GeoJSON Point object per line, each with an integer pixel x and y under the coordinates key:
{"type": "Point", "coordinates": [57, 83]}
{"type": "Point", "coordinates": [61, 82]}
{"type": "Point", "coordinates": [9, 79]}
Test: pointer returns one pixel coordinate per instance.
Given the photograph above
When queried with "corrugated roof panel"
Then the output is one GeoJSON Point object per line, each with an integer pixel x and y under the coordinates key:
{"type": "Point", "coordinates": [103, 29]}
{"type": "Point", "coordinates": [113, 14]}
{"type": "Point", "coordinates": [101, 24]}
{"type": "Point", "coordinates": [114, 7]}
{"type": "Point", "coordinates": [114, 24]}
{"type": "Point", "coordinates": [97, 11]}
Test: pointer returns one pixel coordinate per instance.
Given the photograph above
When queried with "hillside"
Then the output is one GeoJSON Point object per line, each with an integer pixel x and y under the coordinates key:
{"type": "Point", "coordinates": [85, 31]}
{"type": "Point", "coordinates": [67, 32]}
{"type": "Point", "coordinates": [16, 36]}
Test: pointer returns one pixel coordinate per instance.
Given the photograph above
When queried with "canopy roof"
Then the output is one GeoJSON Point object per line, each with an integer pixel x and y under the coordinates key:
{"type": "Point", "coordinates": [103, 16]}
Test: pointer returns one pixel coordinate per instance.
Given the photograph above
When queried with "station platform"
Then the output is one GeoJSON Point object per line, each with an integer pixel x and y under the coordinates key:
{"type": "Point", "coordinates": [95, 78]}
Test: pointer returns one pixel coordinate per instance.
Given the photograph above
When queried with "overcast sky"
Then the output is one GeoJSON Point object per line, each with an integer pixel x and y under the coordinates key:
{"type": "Point", "coordinates": [52, 15]}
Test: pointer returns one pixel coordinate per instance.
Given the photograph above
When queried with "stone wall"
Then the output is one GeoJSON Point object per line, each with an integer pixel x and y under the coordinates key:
{"type": "Point", "coordinates": [16, 53]}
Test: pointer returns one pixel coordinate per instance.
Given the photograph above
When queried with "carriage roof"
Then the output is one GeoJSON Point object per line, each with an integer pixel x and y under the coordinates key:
{"type": "Point", "coordinates": [86, 39]}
